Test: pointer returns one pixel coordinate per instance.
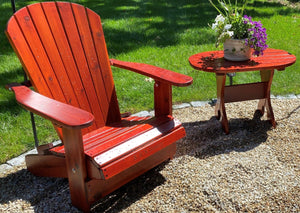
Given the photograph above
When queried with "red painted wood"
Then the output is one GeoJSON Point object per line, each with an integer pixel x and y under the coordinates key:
{"type": "Point", "coordinates": [91, 57]}
{"type": "Point", "coordinates": [157, 73]}
{"type": "Point", "coordinates": [74, 38]}
{"type": "Point", "coordinates": [19, 43]}
{"type": "Point", "coordinates": [27, 25]}
{"type": "Point", "coordinates": [46, 165]}
{"type": "Point", "coordinates": [267, 76]}
{"type": "Point", "coordinates": [130, 142]}
{"type": "Point", "coordinates": [76, 168]}
{"type": "Point", "coordinates": [120, 164]}
{"type": "Point", "coordinates": [162, 99]}
{"type": "Point", "coordinates": [62, 48]}
{"type": "Point", "coordinates": [65, 57]}
{"type": "Point", "coordinates": [100, 188]}
{"type": "Point", "coordinates": [105, 135]}
{"type": "Point", "coordinates": [214, 61]}
{"type": "Point", "coordinates": [69, 63]}
{"type": "Point", "coordinates": [107, 78]}
{"type": "Point", "coordinates": [220, 105]}
{"type": "Point", "coordinates": [119, 135]}
{"type": "Point", "coordinates": [59, 113]}
{"type": "Point", "coordinates": [109, 130]}
{"type": "Point", "coordinates": [55, 61]}
{"type": "Point", "coordinates": [108, 137]}
{"type": "Point", "coordinates": [244, 92]}
{"type": "Point", "coordinates": [116, 136]}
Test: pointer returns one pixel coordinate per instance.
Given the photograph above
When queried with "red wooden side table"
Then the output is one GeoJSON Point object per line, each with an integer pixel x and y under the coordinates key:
{"type": "Point", "coordinates": [214, 62]}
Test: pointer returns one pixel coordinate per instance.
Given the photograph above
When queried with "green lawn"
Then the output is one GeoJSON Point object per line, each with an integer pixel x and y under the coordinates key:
{"type": "Point", "coordinates": [161, 33]}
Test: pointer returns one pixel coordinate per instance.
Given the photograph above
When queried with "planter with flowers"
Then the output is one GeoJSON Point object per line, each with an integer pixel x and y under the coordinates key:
{"type": "Point", "coordinates": [241, 36]}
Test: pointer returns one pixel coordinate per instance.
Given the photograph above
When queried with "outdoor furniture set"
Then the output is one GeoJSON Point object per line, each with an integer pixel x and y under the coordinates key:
{"type": "Point", "coordinates": [214, 62]}
{"type": "Point", "coordinates": [62, 49]}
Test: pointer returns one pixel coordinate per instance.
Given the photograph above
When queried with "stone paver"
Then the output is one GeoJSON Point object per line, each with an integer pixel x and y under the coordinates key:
{"type": "Point", "coordinates": [142, 114]}
{"type": "Point", "coordinates": [198, 103]}
{"type": "Point", "coordinates": [181, 106]}
{"type": "Point", "coordinates": [4, 168]}
{"type": "Point", "coordinates": [18, 161]}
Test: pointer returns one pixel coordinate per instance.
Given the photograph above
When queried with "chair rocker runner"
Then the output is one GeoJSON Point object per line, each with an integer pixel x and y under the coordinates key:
{"type": "Point", "coordinates": [62, 49]}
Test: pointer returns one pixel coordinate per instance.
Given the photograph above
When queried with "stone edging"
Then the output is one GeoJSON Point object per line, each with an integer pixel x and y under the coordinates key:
{"type": "Point", "coordinates": [20, 160]}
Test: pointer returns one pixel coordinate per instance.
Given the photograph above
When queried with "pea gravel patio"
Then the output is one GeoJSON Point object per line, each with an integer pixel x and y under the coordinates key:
{"type": "Point", "coordinates": [255, 168]}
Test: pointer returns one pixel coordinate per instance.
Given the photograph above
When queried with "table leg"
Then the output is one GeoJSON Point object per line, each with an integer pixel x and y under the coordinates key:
{"type": "Point", "coordinates": [220, 111]}
{"type": "Point", "coordinates": [267, 76]}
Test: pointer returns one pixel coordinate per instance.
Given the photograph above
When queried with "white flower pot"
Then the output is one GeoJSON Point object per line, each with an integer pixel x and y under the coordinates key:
{"type": "Point", "coordinates": [236, 50]}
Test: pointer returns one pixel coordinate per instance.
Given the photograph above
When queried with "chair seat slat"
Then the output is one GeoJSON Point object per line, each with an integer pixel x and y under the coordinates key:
{"type": "Point", "coordinates": [134, 142]}
{"type": "Point", "coordinates": [109, 136]}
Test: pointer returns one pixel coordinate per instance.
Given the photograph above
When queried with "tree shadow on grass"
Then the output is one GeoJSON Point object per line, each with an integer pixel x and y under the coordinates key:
{"type": "Point", "coordinates": [52, 194]}
{"type": "Point", "coordinates": [179, 22]}
{"type": "Point", "coordinates": [7, 99]}
{"type": "Point", "coordinates": [176, 17]}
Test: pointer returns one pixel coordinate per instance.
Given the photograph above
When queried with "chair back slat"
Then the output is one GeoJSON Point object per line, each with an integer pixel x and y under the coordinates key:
{"type": "Point", "coordinates": [62, 48]}
{"type": "Point", "coordinates": [23, 50]}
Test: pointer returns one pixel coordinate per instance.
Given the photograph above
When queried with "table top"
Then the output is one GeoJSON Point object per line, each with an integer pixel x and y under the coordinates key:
{"type": "Point", "coordinates": [213, 61]}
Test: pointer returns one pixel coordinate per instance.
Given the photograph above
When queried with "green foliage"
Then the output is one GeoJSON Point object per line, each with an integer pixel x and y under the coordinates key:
{"type": "Point", "coordinates": [230, 22]}
{"type": "Point", "coordinates": [161, 33]}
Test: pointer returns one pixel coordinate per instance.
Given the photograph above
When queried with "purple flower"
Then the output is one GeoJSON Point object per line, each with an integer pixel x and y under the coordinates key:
{"type": "Point", "coordinates": [257, 36]}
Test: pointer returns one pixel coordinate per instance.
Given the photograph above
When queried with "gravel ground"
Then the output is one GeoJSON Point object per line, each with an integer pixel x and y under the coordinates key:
{"type": "Point", "coordinates": [255, 168]}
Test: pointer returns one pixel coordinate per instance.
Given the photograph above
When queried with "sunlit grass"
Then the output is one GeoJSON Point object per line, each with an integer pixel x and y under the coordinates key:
{"type": "Point", "coordinates": [161, 33]}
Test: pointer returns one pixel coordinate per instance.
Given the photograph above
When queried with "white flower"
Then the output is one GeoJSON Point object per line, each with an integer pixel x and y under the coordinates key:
{"type": "Point", "coordinates": [220, 18]}
{"type": "Point", "coordinates": [227, 34]}
{"type": "Point", "coordinates": [214, 26]}
{"type": "Point", "coordinates": [230, 33]}
{"type": "Point", "coordinates": [227, 26]}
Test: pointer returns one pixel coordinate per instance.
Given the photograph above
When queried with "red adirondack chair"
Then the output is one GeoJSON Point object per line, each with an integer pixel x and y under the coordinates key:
{"type": "Point", "coordinates": [62, 49]}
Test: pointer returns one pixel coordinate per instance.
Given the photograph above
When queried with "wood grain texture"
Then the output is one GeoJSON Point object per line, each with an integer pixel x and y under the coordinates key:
{"type": "Point", "coordinates": [162, 99]}
{"type": "Point", "coordinates": [267, 77]}
{"type": "Point", "coordinates": [157, 73]}
{"type": "Point", "coordinates": [62, 48]}
{"type": "Point", "coordinates": [147, 150]}
{"type": "Point", "coordinates": [99, 188]}
{"type": "Point", "coordinates": [59, 113]}
{"type": "Point", "coordinates": [46, 165]}
{"type": "Point", "coordinates": [76, 168]}
{"type": "Point", "coordinates": [214, 61]}
{"type": "Point", "coordinates": [116, 148]}
{"type": "Point", "coordinates": [220, 110]}
{"type": "Point", "coordinates": [244, 92]}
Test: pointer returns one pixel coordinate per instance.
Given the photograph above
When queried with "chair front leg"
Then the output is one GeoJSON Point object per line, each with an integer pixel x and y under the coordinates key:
{"type": "Point", "coordinates": [162, 99]}
{"type": "Point", "coordinates": [76, 168]}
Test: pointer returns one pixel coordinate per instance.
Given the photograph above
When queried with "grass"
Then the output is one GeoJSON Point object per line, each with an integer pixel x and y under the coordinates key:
{"type": "Point", "coordinates": [161, 33]}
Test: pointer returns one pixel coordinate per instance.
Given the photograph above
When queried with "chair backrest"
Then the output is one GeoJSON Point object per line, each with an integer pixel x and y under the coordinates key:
{"type": "Point", "coordinates": [62, 49]}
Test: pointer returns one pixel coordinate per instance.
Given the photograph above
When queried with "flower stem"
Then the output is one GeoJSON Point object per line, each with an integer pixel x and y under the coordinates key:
{"type": "Point", "coordinates": [216, 7]}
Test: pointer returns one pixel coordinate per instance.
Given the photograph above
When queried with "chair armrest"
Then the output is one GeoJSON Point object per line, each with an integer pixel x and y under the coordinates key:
{"type": "Point", "coordinates": [157, 73]}
{"type": "Point", "coordinates": [59, 113]}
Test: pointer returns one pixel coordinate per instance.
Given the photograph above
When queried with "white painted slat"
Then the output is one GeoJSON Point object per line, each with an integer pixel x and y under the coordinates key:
{"type": "Point", "coordinates": [134, 143]}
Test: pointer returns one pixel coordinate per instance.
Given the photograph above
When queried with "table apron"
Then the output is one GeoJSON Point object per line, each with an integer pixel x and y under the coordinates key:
{"type": "Point", "coordinates": [245, 92]}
